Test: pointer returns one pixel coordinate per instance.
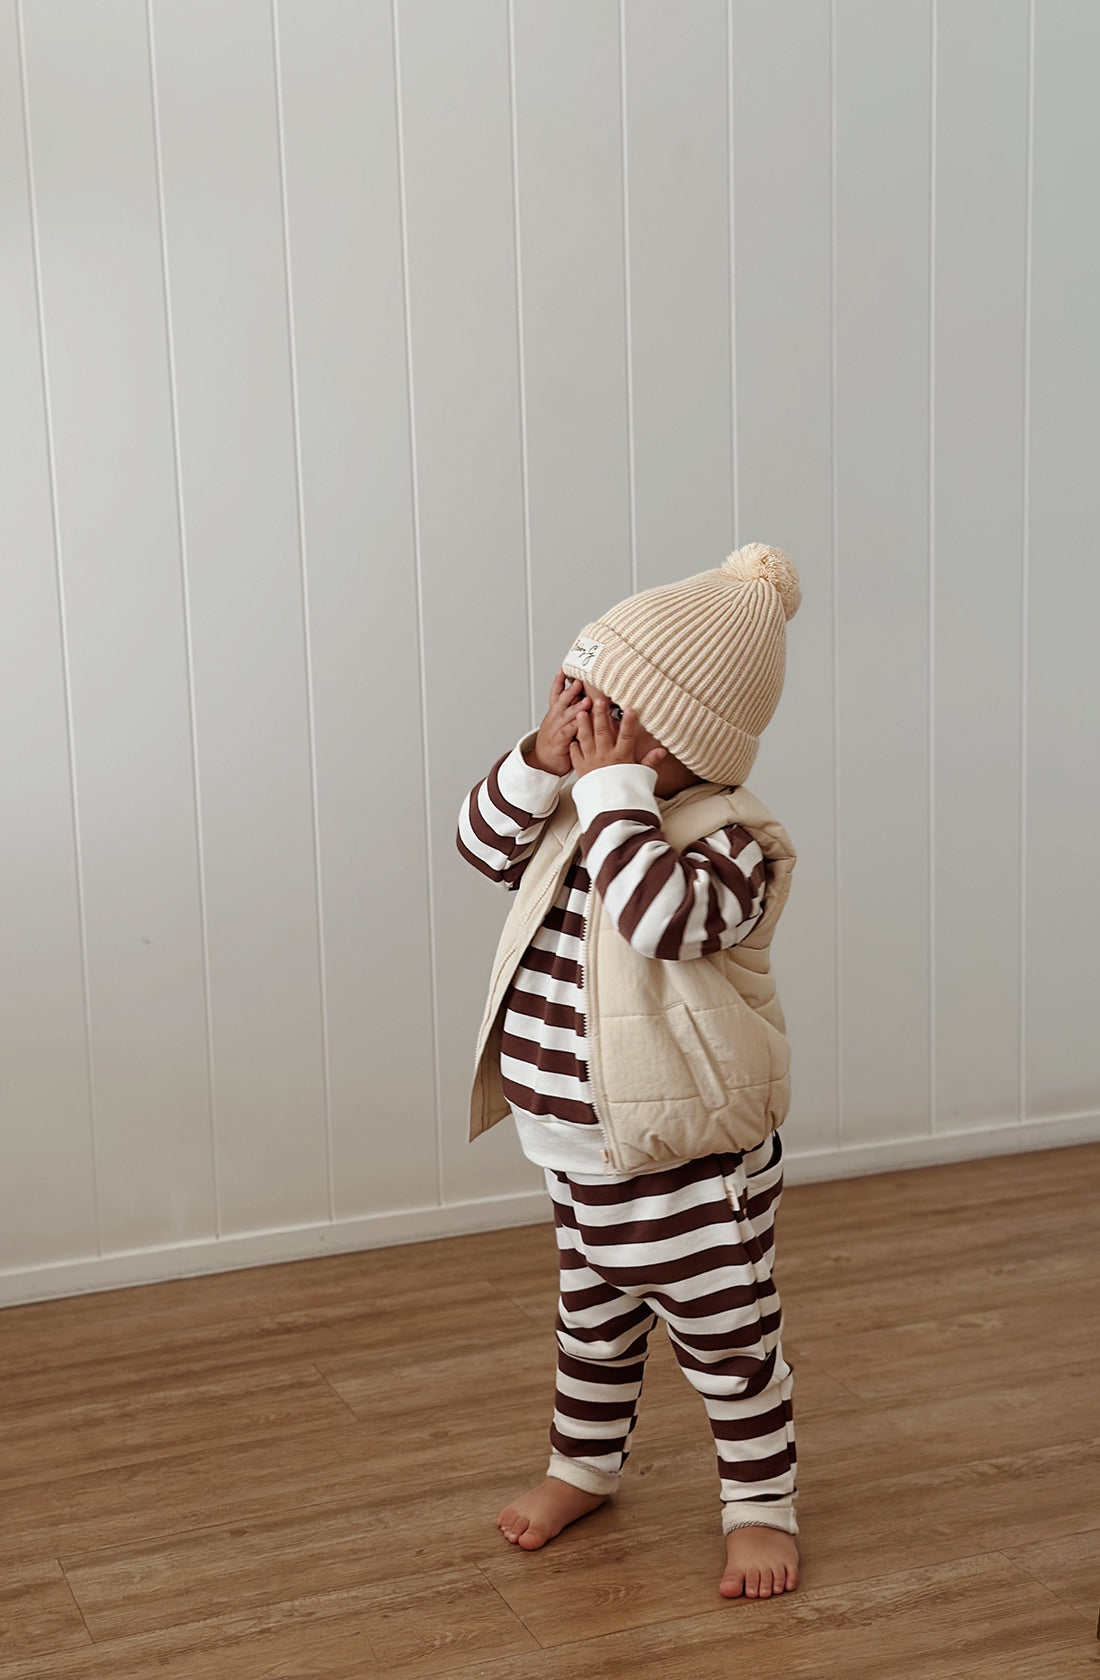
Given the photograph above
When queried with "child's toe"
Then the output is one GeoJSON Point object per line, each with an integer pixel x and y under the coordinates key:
{"type": "Point", "coordinates": [732, 1584]}
{"type": "Point", "coordinates": [512, 1524]}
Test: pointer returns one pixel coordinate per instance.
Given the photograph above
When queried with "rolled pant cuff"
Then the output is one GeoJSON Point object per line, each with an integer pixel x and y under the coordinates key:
{"type": "Point", "coordinates": [582, 1476]}
{"type": "Point", "coordinates": [759, 1516]}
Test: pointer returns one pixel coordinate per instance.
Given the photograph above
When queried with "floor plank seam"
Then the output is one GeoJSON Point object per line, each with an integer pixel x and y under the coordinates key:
{"type": "Point", "coordinates": [249, 1519]}
{"type": "Point", "coordinates": [816, 1366]}
{"type": "Point", "coordinates": [331, 1386]}
{"type": "Point", "coordinates": [509, 1607]}
{"type": "Point", "coordinates": [167, 1536]}
{"type": "Point", "coordinates": [112, 1466]}
{"type": "Point", "coordinates": [1062, 1599]}
{"type": "Point", "coordinates": [76, 1602]}
{"type": "Point", "coordinates": [539, 1322]}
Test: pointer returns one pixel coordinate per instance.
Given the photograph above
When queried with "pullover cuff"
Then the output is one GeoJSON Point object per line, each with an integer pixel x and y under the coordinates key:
{"type": "Point", "coordinates": [616, 787]}
{"type": "Point", "coordinates": [531, 790]}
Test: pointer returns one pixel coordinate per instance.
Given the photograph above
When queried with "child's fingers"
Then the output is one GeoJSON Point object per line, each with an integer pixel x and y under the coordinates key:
{"type": "Point", "coordinates": [569, 694]}
{"type": "Point", "coordinates": [601, 724]}
{"type": "Point", "coordinates": [559, 687]}
{"type": "Point", "coordinates": [566, 730]}
{"type": "Point", "coordinates": [628, 735]}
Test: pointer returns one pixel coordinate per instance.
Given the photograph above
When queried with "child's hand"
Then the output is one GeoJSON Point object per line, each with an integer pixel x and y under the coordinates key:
{"type": "Point", "coordinates": [598, 745]}
{"type": "Point", "coordinates": [568, 702]}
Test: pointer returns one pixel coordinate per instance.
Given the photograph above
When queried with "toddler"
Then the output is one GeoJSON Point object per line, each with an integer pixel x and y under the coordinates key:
{"type": "Point", "coordinates": [633, 1031]}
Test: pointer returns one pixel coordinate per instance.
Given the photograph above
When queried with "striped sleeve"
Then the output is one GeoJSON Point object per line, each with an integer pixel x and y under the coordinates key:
{"type": "Point", "coordinates": [667, 904]}
{"type": "Point", "coordinates": [502, 819]}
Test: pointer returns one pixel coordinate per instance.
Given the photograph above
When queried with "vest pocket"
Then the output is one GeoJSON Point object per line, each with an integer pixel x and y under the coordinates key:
{"type": "Point", "coordinates": [704, 1072]}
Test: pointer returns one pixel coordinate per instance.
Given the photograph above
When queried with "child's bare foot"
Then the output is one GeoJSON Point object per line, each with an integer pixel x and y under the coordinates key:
{"type": "Point", "coordinates": [535, 1518]}
{"type": "Point", "coordinates": [759, 1562]}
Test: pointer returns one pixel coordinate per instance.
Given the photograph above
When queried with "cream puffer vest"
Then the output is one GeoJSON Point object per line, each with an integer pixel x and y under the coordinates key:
{"type": "Point", "coordinates": [685, 1058]}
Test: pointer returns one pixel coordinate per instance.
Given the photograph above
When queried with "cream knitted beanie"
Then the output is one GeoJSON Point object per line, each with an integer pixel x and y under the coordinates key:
{"type": "Point", "coordinates": [701, 661]}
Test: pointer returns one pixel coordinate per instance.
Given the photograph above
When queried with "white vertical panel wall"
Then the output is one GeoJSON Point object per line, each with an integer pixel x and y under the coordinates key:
{"type": "Point", "coordinates": [1061, 794]}
{"type": "Point", "coordinates": [125, 647]}
{"type": "Point", "coordinates": [780, 62]}
{"type": "Point", "coordinates": [357, 352]}
{"type": "Point", "coordinates": [882, 137]}
{"type": "Point", "coordinates": [978, 275]}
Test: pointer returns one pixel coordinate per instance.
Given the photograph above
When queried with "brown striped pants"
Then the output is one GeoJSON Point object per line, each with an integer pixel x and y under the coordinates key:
{"type": "Point", "coordinates": [692, 1245]}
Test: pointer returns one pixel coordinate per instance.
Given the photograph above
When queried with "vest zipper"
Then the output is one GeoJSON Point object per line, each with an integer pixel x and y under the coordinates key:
{"type": "Point", "coordinates": [586, 1019]}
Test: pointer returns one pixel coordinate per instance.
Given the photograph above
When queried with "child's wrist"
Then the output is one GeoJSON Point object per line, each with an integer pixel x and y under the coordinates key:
{"type": "Point", "coordinates": [533, 761]}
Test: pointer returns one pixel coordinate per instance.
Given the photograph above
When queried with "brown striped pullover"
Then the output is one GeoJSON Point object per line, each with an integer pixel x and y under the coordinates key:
{"type": "Point", "coordinates": [667, 904]}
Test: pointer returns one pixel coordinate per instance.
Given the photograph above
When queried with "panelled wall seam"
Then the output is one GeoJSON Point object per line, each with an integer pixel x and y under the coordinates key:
{"type": "Point", "coordinates": [521, 364]}
{"type": "Point", "coordinates": [735, 487]}
{"type": "Point", "coordinates": [414, 477]}
{"type": "Point", "coordinates": [834, 540]}
{"type": "Point", "coordinates": [307, 635]}
{"type": "Point", "coordinates": [1025, 562]}
{"type": "Point", "coordinates": [188, 628]}
{"type": "Point", "coordinates": [933, 186]}
{"type": "Point", "coordinates": [628, 310]}
{"type": "Point", "coordinates": [59, 574]}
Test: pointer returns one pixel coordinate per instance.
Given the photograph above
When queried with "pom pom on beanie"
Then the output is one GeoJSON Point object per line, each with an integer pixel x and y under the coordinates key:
{"type": "Point", "coordinates": [756, 561]}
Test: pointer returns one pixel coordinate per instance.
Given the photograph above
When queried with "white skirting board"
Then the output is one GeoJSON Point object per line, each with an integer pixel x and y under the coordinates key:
{"type": "Point", "coordinates": [493, 1213]}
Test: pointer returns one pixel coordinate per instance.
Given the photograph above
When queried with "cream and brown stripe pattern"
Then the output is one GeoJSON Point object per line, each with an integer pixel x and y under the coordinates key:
{"type": "Point", "coordinates": [669, 905]}
{"type": "Point", "coordinates": [692, 1245]}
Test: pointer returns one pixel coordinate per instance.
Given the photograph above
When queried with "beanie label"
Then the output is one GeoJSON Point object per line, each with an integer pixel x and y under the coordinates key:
{"type": "Point", "coordinates": [582, 653]}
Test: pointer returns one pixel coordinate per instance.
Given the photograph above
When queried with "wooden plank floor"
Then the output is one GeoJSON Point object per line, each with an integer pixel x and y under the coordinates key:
{"type": "Point", "coordinates": [293, 1473]}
